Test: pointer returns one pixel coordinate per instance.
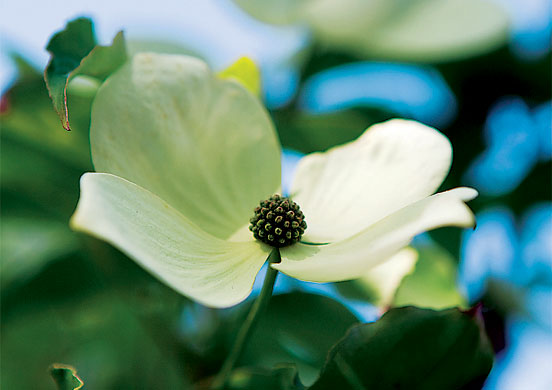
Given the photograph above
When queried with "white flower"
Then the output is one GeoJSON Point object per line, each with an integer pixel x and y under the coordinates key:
{"type": "Point", "coordinates": [186, 156]}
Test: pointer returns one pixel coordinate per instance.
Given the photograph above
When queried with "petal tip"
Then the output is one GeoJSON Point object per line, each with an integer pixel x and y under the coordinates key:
{"type": "Point", "coordinates": [470, 194]}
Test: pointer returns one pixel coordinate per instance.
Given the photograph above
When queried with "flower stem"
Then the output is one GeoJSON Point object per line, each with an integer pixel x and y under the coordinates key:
{"type": "Point", "coordinates": [248, 326]}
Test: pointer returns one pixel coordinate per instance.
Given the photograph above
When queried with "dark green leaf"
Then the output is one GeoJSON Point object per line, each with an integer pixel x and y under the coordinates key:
{"type": "Point", "coordinates": [28, 118]}
{"type": "Point", "coordinates": [312, 133]}
{"type": "Point", "coordinates": [28, 244]}
{"type": "Point", "coordinates": [98, 333]}
{"type": "Point", "coordinates": [66, 377]}
{"type": "Point", "coordinates": [40, 166]}
{"type": "Point", "coordinates": [74, 52]}
{"type": "Point", "coordinates": [283, 377]}
{"type": "Point", "coordinates": [410, 348]}
{"type": "Point", "coordinates": [298, 328]}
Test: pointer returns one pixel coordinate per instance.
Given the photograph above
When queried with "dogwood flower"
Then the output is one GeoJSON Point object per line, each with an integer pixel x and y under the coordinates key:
{"type": "Point", "coordinates": [184, 157]}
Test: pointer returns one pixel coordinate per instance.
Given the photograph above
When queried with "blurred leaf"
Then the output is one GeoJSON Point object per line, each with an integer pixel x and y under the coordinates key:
{"type": "Point", "coordinates": [410, 348]}
{"type": "Point", "coordinates": [421, 30]}
{"type": "Point", "coordinates": [282, 377]}
{"type": "Point", "coordinates": [36, 181]}
{"type": "Point", "coordinates": [379, 285]}
{"type": "Point", "coordinates": [96, 333]}
{"type": "Point", "coordinates": [298, 328]}
{"type": "Point", "coordinates": [66, 377]}
{"type": "Point", "coordinates": [437, 30]}
{"type": "Point", "coordinates": [40, 166]}
{"type": "Point", "coordinates": [274, 11]}
{"type": "Point", "coordinates": [246, 72]}
{"type": "Point", "coordinates": [27, 244]}
{"type": "Point", "coordinates": [433, 282]}
{"type": "Point", "coordinates": [28, 117]}
{"type": "Point", "coordinates": [74, 52]}
{"type": "Point", "coordinates": [311, 133]}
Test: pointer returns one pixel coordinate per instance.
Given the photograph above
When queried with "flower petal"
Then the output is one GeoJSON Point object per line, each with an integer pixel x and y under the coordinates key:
{"type": "Point", "coordinates": [353, 257]}
{"type": "Point", "coordinates": [202, 143]}
{"type": "Point", "coordinates": [209, 270]}
{"type": "Point", "coordinates": [351, 186]}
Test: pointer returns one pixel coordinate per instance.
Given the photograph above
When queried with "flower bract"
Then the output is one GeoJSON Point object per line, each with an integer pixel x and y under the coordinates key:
{"type": "Point", "coordinates": [184, 156]}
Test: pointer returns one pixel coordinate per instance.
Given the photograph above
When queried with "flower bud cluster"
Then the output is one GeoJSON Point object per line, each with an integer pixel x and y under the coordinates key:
{"type": "Point", "coordinates": [278, 221]}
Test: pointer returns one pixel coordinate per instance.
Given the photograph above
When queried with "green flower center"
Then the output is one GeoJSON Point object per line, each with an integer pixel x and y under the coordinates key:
{"type": "Point", "coordinates": [278, 221]}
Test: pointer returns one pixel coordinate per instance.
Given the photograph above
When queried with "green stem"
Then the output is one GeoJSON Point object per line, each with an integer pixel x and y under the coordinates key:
{"type": "Point", "coordinates": [248, 326]}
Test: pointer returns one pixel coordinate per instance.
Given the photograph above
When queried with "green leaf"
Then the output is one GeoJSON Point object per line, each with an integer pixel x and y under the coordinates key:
{"type": "Point", "coordinates": [28, 244]}
{"type": "Point", "coordinates": [28, 118]}
{"type": "Point", "coordinates": [433, 282]}
{"type": "Point", "coordinates": [66, 377]}
{"type": "Point", "coordinates": [313, 133]}
{"type": "Point", "coordinates": [274, 11]}
{"type": "Point", "coordinates": [282, 377]}
{"type": "Point", "coordinates": [40, 166]}
{"type": "Point", "coordinates": [74, 52]}
{"type": "Point", "coordinates": [415, 30]}
{"type": "Point", "coordinates": [429, 282]}
{"type": "Point", "coordinates": [33, 178]}
{"type": "Point", "coordinates": [246, 72]}
{"type": "Point", "coordinates": [298, 328]}
{"type": "Point", "coordinates": [112, 344]}
{"type": "Point", "coordinates": [437, 30]}
{"type": "Point", "coordinates": [410, 348]}
{"type": "Point", "coordinates": [379, 285]}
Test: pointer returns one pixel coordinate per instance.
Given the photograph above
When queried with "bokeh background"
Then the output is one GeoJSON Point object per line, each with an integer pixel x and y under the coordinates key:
{"type": "Point", "coordinates": [479, 71]}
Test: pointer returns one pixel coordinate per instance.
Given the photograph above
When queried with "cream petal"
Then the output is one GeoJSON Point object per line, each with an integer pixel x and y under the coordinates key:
{"type": "Point", "coordinates": [349, 187]}
{"type": "Point", "coordinates": [207, 269]}
{"type": "Point", "coordinates": [353, 257]}
{"type": "Point", "coordinates": [202, 143]}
